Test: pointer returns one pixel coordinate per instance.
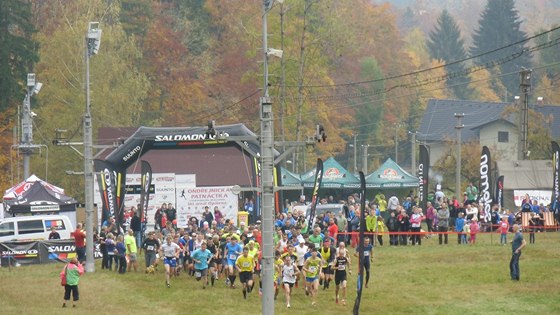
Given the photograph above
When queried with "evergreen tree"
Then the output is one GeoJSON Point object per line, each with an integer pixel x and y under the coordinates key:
{"type": "Point", "coordinates": [18, 51]}
{"type": "Point", "coordinates": [499, 26]}
{"type": "Point", "coordinates": [445, 44]}
{"type": "Point", "coordinates": [549, 55]}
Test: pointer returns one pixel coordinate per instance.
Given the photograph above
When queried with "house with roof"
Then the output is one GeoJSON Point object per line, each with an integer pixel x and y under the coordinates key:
{"type": "Point", "coordinates": [483, 121]}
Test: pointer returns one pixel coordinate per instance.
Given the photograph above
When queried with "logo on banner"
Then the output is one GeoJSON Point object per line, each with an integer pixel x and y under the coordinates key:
{"type": "Point", "coordinates": [421, 181]}
{"type": "Point", "coordinates": [390, 174]}
{"type": "Point", "coordinates": [333, 173]}
{"type": "Point", "coordinates": [165, 179]}
{"type": "Point", "coordinates": [131, 153]}
{"type": "Point", "coordinates": [109, 191]}
{"type": "Point", "coordinates": [485, 197]}
{"type": "Point", "coordinates": [191, 137]}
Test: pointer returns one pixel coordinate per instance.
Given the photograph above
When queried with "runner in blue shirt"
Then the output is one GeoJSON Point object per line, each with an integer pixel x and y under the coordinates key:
{"type": "Point", "coordinates": [201, 258]}
{"type": "Point", "coordinates": [368, 258]}
{"type": "Point", "coordinates": [233, 250]}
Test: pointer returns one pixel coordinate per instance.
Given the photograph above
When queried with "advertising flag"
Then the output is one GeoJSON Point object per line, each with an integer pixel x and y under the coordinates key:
{"type": "Point", "coordinates": [500, 192]}
{"type": "Point", "coordinates": [423, 172]}
{"type": "Point", "coordinates": [145, 182]}
{"type": "Point", "coordinates": [361, 244]}
{"type": "Point", "coordinates": [315, 196]}
{"type": "Point", "coordinates": [555, 178]}
{"type": "Point", "coordinates": [485, 190]}
{"type": "Point", "coordinates": [106, 182]}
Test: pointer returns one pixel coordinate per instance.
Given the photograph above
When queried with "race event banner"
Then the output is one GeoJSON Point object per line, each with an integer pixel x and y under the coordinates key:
{"type": "Point", "coordinates": [23, 253]}
{"type": "Point", "coordinates": [541, 196]}
{"type": "Point", "coordinates": [194, 199]}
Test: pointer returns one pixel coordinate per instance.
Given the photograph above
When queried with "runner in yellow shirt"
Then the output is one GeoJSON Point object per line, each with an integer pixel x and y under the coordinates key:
{"type": "Point", "coordinates": [245, 265]}
{"type": "Point", "coordinates": [311, 269]}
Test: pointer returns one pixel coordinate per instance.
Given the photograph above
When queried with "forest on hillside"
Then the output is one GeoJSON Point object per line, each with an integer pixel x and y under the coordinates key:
{"type": "Point", "coordinates": [364, 69]}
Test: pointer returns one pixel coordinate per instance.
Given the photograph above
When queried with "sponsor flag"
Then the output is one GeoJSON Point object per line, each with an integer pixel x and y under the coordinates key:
{"type": "Point", "coordinates": [500, 192]}
{"type": "Point", "coordinates": [106, 182]}
{"type": "Point", "coordinates": [423, 172]}
{"type": "Point", "coordinates": [145, 182]}
{"type": "Point", "coordinates": [361, 244]}
{"type": "Point", "coordinates": [485, 190]}
{"type": "Point", "coordinates": [555, 178]}
{"type": "Point", "coordinates": [315, 196]}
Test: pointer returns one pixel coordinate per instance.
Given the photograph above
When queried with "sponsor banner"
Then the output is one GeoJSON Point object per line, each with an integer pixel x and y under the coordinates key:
{"type": "Point", "coordinates": [145, 189]}
{"type": "Point", "coordinates": [23, 253]}
{"type": "Point", "coordinates": [541, 196]}
{"type": "Point", "coordinates": [423, 173]}
{"type": "Point", "coordinates": [500, 192]}
{"type": "Point", "coordinates": [555, 174]}
{"type": "Point", "coordinates": [61, 251]}
{"type": "Point", "coordinates": [196, 198]}
{"type": "Point", "coordinates": [485, 185]}
{"type": "Point", "coordinates": [107, 189]}
{"type": "Point", "coordinates": [360, 282]}
{"type": "Point", "coordinates": [315, 195]}
{"type": "Point", "coordinates": [185, 180]}
{"type": "Point", "coordinates": [47, 208]}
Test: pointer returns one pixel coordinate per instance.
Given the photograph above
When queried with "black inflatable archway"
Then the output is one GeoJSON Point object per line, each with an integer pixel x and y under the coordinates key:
{"type": "Point", "coordinates": [148, 138]}
{"type": "Point", "coordinates": [111, 172]}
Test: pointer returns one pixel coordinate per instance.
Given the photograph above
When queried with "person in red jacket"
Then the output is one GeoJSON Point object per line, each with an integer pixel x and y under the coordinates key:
{"type": "Point", "coordinates": [504, 229]}
{"type": "Point", "coordinates": [80, 238]}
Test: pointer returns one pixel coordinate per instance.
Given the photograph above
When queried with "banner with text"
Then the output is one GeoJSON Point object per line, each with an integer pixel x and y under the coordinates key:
{"type": "Point", "coordinates": [194, 199]}
{"type": "Point", "coordinates": [541, 196]}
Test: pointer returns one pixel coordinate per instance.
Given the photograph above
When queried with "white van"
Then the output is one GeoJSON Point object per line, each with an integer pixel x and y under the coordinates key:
{"type": "Point", "coordinates": [36, 227]}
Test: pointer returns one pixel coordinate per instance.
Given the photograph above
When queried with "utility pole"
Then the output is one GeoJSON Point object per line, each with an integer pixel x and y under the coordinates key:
{"type": "Point", "coordinates": [93, 40]}
{"type": "Point", "coordinates": [355, 154]}
{"type": "Point", "coordinates": [396, 143]}
{"type": "Point", "coordinates": [267, 167]}
{"type": "Point", "coordinates": [413, 151]}
{"type": "Point", "coordinates": [525, 87]}
{"type": "Point", "coordinates": [458, 157]}
{"type": "Point", "coordinates": [365, 158]}
{"type": "Point", "coordinates": [26, 146]}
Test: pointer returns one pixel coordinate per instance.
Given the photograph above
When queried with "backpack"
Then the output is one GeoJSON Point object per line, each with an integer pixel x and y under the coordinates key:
{"type": "Point", "coordinates": [63, 276]}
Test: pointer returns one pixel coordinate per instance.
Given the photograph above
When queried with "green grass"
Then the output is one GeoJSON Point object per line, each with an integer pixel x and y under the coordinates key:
{"type": "Point", "coordinates": [430, 279]}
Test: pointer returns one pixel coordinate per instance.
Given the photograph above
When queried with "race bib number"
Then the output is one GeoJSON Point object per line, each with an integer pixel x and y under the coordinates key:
{"type": "Point", "coordinates": [150, 247]}
{"type": "Point", "coordinates": [313, 269]}
{"type": "Point", "coordinates": [341, 267]}
{"type": "Point", "coordinates": [232, 256]}
{"type": "Point", "coordinates": [246, 264]}
{"type": "Point", "coordinates": [366, 253]}
{"type": "Point", "coordinates": [197, 274]}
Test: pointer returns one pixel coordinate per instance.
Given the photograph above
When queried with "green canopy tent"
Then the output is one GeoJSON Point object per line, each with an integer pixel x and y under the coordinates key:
{"type": "Point", "coordinates": [390, 175]}
{"type": "Point", "coordinates": [289, 179]}
{"type": "Point", "coordinates": [334, 176]}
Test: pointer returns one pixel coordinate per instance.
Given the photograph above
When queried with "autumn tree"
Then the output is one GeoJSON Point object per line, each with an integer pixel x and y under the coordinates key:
{"type": "Point", "coordinates": [118, 89]}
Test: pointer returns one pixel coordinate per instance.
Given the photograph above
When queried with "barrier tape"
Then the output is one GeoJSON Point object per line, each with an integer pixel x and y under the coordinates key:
{"type": "Point", "coordinates": [443, 233]}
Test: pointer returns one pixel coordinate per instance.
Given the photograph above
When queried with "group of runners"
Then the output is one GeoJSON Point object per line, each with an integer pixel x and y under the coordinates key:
{"type": "Point", "coordinates": [231, 253]}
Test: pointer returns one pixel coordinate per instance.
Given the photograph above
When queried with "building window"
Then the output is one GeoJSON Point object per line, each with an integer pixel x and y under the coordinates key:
{"type": "Point", "coordinates": [503, 136]}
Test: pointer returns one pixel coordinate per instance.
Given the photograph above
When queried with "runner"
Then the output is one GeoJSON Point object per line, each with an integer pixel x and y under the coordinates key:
{"type": "Point", "coordinates": [215, 262]}
{"type": "Point", "coordinates": [201, 258]}
{"type": "Point", "coordinates": [245, 265]}
{"type": "Point", "coordinates": [328, 254]}
{"type": "Point", "coordinates": [311, 268]}
{"type": "Point", "coordinates": [278, 264]}
{"type": "Point", "coordinates": [340, 265]}
{"type": "Point", "coordinates": [233, 250]}
{"type": "Point", "coordinates": [368, 257]}
{"type": "Point", "coordinates": [289, 274]}
{"type": "Point", "coordinates": [170, 253]}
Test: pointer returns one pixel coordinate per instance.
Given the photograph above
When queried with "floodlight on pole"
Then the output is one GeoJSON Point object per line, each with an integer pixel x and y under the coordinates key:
{"type": "Point", "coordinates": [26, 146]}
